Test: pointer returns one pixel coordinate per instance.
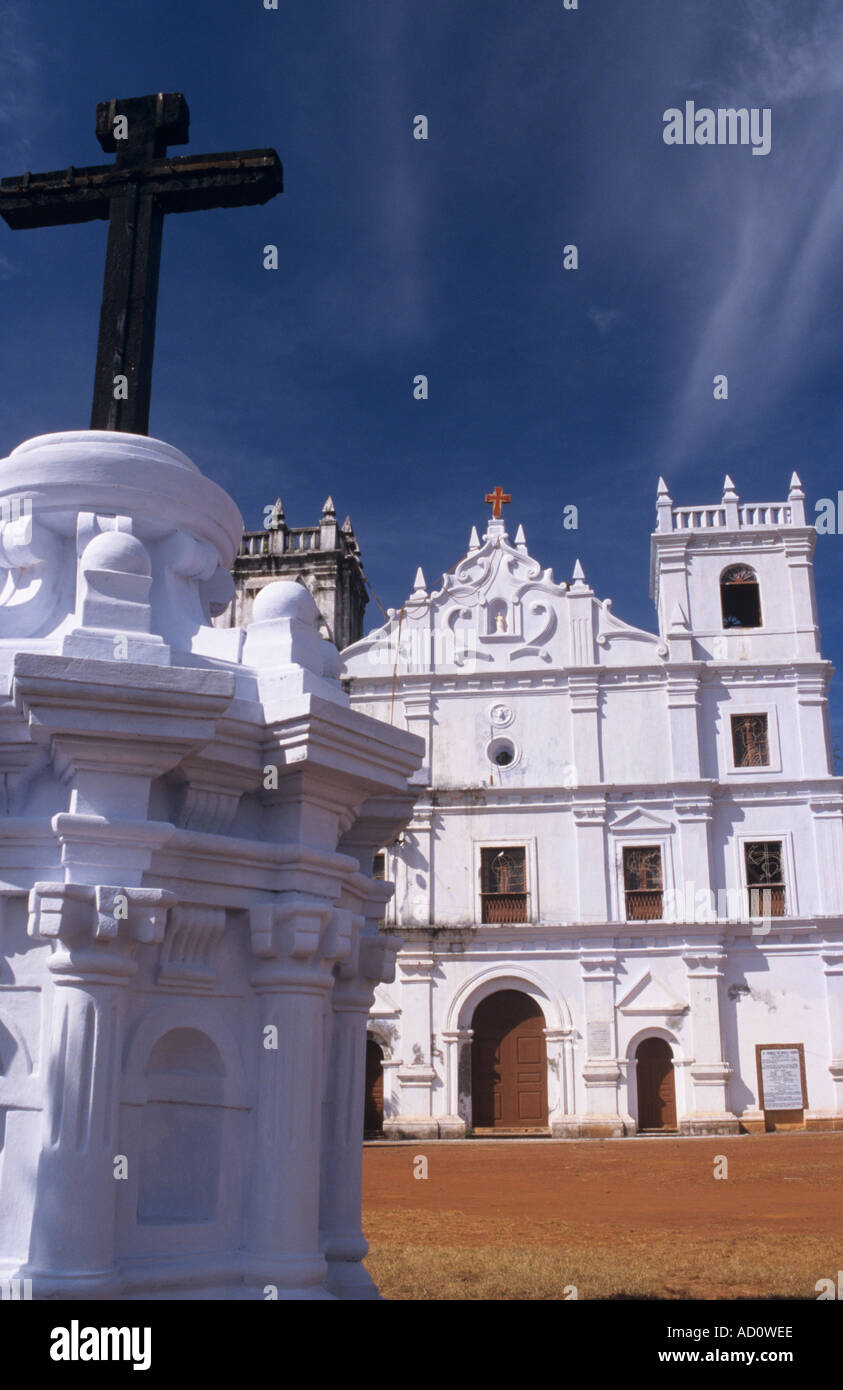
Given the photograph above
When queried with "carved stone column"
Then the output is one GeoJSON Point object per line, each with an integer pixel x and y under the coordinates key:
{"type": "Point", "coordinates": [342, 1239]}
{"type": "Point", "coordinates": [298, 939]}
{"type": "Point", "coordinates": [94, 931]}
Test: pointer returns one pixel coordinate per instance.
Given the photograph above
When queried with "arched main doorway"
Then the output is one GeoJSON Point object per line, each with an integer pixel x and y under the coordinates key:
{"type": "Point", "coordinates": [508, 1063]}
{"type": "Point", "coordinates": [373, 1113]}
{"type": "Point", "coordinates": [656, 1087]}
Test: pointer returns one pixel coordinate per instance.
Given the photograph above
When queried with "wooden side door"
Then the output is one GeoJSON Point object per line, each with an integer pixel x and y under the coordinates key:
{"type": "Point", "coordinates": [656, 1085]}
{"type": "Point", "coordinates": [373, 1113]}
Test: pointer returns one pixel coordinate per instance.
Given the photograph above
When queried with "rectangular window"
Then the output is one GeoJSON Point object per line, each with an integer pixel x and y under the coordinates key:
{"type": "Point", "coordinates": [379, 865]}
{"type": "Point", "coordinates": [503, 884]}
{"type": "Point", "coordinates": [642, 881]}
{"type": "Point", "coordinates": [750, 743]}
{"type": "Point", "coordinates": [765, 878]}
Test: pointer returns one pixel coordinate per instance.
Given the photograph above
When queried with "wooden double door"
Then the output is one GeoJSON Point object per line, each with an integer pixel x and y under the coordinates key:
{"type": "Point", "coordinates": [656, 1086]}
{"type": "Point", "coordinates": [508, 1063]}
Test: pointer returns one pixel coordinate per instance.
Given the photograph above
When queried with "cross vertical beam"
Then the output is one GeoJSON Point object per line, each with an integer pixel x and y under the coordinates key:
{"type": "Point", "coordinates": [127, 317]}
{"type": "Point", "coordinates": [134, 193]}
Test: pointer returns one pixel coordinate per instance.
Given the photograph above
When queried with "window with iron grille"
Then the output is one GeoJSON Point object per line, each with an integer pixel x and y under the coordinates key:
{"type": "Point", "coordinates": [503, 884]}
{"type": "Point", "coordinates": [750, 743]}
{"type": "Point", "coordinates": [765, 878]}
{"type": "Point", "coordinates": [740, 598]}
{"type": "Point", "coordinates": [642, 881]}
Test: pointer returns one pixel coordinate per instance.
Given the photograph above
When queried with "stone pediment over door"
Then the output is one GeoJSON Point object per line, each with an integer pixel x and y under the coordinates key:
{"type": "Point", "coordinates": [649, 996]}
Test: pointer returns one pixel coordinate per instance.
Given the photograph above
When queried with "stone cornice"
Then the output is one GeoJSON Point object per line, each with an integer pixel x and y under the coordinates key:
{"type": "Point", "coordinates": [323, 734]}
{"type": "Point", "coordinates": [206, 863]}
{"type": "Point", "coordinates": [569, 938]}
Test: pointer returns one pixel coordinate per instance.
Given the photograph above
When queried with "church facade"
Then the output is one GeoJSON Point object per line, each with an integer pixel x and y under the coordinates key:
{"type": "Point", "coordinates": [619, 896]}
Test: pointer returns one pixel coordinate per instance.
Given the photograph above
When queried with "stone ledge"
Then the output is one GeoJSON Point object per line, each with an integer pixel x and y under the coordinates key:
{"type": "Point", "coordinates": [709, 1124]}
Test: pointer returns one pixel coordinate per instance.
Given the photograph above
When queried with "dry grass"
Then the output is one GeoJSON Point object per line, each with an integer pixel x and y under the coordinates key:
{"type": "Point", "coordinates": [652, 1267]}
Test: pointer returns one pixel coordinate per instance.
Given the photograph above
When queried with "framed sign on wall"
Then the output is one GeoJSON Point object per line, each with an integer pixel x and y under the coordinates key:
{"type": "Point", "coordinates": [782, 1093]}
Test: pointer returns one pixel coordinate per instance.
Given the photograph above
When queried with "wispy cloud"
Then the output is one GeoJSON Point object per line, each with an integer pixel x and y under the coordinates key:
{"type": "Point", "coordinates": [762, 315]}
{"type": "Point", "coordinates": [795, 49]}
{"type": "Point", "coordinates": [604, 320]}
{"type": "Point", "coordinates": [22, 96]}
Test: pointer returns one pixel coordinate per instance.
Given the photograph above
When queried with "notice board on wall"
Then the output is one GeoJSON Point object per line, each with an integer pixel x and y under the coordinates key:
{"type": "Point", "coordinates": [781, 1082]}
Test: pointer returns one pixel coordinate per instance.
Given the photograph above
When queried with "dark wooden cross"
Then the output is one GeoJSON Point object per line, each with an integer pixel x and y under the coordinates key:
{"type": "Point", "coordinates": [496, 498]}
{"type": "Point", "coordinates": [134, 193]}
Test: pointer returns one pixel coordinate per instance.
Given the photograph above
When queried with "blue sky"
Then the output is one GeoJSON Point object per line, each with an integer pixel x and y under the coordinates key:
{"type": "Point", "coordinates": [444, 257]}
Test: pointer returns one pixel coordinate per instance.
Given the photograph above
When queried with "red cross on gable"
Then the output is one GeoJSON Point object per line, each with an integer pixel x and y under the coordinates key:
{"type": "Point", "coordinates": [497, 498]}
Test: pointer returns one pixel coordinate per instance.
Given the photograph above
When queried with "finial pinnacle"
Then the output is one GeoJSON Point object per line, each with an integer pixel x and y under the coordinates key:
{"type": "Point", "coordinates": [729, 493]}
{"type": "Point", "coordinates": [276, 516]}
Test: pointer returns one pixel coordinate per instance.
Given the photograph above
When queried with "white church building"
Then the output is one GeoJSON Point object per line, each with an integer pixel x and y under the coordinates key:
{"type": "Point", "coordinates": [620, 896]}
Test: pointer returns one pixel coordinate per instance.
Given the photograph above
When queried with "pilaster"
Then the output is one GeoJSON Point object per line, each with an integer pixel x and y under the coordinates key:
{"type": "Point", "coordinates": [833, 971]}
{"type": "Point", "coordinates": [417, 1075]}
{"type": "Point", "coordinates": [799, 550]}
{"type": "Point", "coordinates": [709, 1073]}
{"type": "Point", "coordinates": [682, 717]}
{"type": "Point", "coordinates": [693, 815]}
{"type": "Point", "coordinates": [590, 831]}
{"type": "Point", "coordinates": [601, 1072]}
{"type": "Point", "coordinates": [584, 696]}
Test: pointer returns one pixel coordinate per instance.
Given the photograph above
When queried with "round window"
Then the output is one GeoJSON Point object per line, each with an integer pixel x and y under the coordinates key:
{"type": "Point", "coordinates": [502, 752]}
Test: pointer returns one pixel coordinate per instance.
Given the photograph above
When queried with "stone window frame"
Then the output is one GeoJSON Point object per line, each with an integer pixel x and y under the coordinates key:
{"type": "Point", "coordinates": [633, 838]}
{"type": "Point", "coordinates": [761, 833]}
{"type": "Point", "coordinates": [746, 705]}
{"type": "Point", "coordinates": [531, 875]}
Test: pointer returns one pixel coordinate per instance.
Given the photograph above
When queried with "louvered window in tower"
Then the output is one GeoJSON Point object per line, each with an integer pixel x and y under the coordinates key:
{"type": "Point", "coordinates": [740, 599]}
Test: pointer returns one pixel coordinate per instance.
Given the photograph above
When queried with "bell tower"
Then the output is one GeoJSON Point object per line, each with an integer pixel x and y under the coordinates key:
{"type": "Point", "coordinates": [325, 558]}
{"type": "Point", "coordinates": [734, 581]}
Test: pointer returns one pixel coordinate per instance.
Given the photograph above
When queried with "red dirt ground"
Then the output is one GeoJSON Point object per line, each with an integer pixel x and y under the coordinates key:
{"type": "Point", "coordinates": [783, 1198]}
